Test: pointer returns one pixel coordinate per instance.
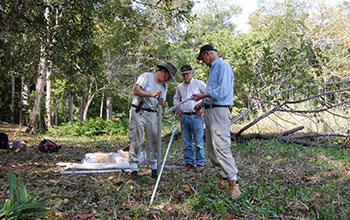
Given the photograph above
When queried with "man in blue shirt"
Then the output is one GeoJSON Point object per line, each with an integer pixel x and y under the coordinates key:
{"type": "Point", "coordinates": [218, 99]}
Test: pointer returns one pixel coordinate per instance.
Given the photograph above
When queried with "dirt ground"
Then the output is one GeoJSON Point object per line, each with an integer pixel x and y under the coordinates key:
{"type": "Point", "coordinates": [277, 180]}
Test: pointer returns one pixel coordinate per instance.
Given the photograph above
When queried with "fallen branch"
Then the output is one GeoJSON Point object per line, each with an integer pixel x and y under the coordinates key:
{"type": "Point", "coordinates": [291, 131]}
{"type": "Point", "coordinates": [309, 143]}
{"type": "Point", "coordinates": [309, 135]}
{"type": "Point", "coordinates": [237, 136]}
{"type": "Point", "coordinates": [285, 136]}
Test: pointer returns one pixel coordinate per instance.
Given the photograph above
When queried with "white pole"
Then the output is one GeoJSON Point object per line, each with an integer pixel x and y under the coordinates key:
{"type": "Point", "coordinates": [163, 164]}
{"type": "Point", "coordinates": [159, 148]}
{"type": "Point", "coordinates": [93, 171]}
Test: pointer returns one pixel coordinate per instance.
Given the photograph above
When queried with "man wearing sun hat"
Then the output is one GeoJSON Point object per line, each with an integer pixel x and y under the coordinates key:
{"type": "Point", "coordinates": [191, 123]}
{"type": "Point", "coordinates": [217, 101]}
{"type": "Point", "coordinates": [149, 91]}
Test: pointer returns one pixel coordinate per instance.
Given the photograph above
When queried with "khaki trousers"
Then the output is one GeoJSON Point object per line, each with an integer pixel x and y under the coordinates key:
{"type": "Point", "coordinates": [140, 124]}
{"type": "Point", "coordinates": [218, 139]}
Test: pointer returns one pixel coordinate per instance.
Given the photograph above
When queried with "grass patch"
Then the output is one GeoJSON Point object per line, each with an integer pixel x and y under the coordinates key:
{"type": "Point", "coordinates": [277, 180]}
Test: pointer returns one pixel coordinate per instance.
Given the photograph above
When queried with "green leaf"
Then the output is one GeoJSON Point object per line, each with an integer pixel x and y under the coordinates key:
{"type": "Point", "coordinates": [12, 184]}
{"type": "Point", "coordinates": [7, 207]}
{"type": "Point", "coordinates": [35, 205]}
{"type": "Point", "coordinates": [43, 191]}
{"type": "Point", "coordinates": [36, 211]}
{"type": "Point", "coordinates": [22, 191]}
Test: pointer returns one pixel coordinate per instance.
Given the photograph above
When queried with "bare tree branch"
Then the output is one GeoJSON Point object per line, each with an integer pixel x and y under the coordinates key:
{"type": "Point", "coordinates": [319, 95]}
{"type": "Point", "coordinates": [340, 116]}
{"type": "Point", "coordinates": [259, 118]}
{"type": "Point", "coordinates": [245, 112]}
{"type": "Point", "coordinates": [313, 111]}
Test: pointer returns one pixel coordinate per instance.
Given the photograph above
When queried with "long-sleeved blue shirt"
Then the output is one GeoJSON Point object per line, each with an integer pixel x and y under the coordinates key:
{"type": "Point", "coordinates": [220, 83]}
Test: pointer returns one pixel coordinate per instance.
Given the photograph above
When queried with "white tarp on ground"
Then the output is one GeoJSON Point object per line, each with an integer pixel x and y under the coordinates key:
{"type": "Point", "coordinates": [105, 162]}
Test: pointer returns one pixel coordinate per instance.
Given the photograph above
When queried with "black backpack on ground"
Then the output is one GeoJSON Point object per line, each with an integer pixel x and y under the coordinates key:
{"type": "Point", "coordinates": [4, 141]}
{"type": "Point", "coordinates": [47, 146]}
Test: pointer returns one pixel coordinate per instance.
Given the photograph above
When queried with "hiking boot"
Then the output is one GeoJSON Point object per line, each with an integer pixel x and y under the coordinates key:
{"type": "Point", "coordinates": [135, 176]}
{"type": "Point", "coordinates": [233, 188]}
{"type": "Point", "coordinates": [189, 167]}
{"type": "Point", "coordinates": [199, 168]}
{"type": "Point", "coordinates": [154, 174]}
{"type": "Point", "coordinates": [222, 182]}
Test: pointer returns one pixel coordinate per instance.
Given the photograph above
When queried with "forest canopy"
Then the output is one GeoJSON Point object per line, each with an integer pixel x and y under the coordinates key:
{"type": "Point", "coordinates": [65, 61]}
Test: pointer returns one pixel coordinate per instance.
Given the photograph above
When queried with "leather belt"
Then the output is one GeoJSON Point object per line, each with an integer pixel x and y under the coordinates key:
{"type": "Point", "coordinates": [145, 109]}
{"type": "Point", "coordinates": [214, 106]}
{"type": "Point", "coordinates": [188, 113]}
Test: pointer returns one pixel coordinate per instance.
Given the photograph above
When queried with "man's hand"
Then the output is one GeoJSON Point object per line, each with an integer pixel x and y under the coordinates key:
{"type": "Point", "coordinates": [139, 91]}
{"type": "Point", "coordinates": [200, 112]}
{"type": "Point", "coordinates": [178, 112]}
{"type": "Point", "coordinates": [197, 97]}
{"type": "Point", "coordinates": [198, 108]}
{"type": "Point", "coordinates": [156, 93]}
{"type": "Point", "coordinates": [161, 101]}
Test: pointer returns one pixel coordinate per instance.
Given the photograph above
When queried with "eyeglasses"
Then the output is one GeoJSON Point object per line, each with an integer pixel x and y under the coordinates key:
{"type": "Point", "coordinates": [205, 52]}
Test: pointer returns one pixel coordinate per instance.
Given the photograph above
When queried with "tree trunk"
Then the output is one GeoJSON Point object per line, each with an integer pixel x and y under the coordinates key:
{"type": "Point", "coordinates": [64, 100]}
{"type": "Point", "coordinates": [55, 112]}
{"type": "Point", "coordinates": [108, 75]}
{"type": "Point", "coordinates": [48, 102]}
{"type": "Point", "coordinates": [35, 113]}
{"type": "Point", "coordinates": [38, 122]}
{"type": "Point", "coordinates": [43, 69]}
{"type": "Point", "coordinates": [25, 92]}
{"type": "Point", "coordinates": [87, 105]}
{"type": "Point", "coordinates": [24, 99]}
{"type": "Point", "coordinates": [71, 99]}
{"type": "Point", "coordinates": [101, 108]}
{"type": "Point", "coordinates": [12, 106]}
{"type": "Point", "coordinates": [109, 108]}
{"type": "Point", "coordinates": [48, 120]}
{"type": "Point", "coordinates": [82, 107]}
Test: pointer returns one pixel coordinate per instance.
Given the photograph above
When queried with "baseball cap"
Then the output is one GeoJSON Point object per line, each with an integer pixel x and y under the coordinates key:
{"type": "Point", "coordinates": [187, 68]}
{"type": "Point", "coordinates": [205, 48]}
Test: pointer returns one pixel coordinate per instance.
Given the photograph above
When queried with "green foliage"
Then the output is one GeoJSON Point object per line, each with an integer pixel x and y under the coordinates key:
{"type": "Point", "coordinates": [92, 127]}
{"type": "Point", "coordinates": [95, 46]}
{"type": "Point", "coordinates": [22, 204]}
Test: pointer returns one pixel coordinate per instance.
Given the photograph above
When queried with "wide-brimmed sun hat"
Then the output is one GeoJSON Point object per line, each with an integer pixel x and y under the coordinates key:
{"type": "Point", "coordinates": [170, 68]}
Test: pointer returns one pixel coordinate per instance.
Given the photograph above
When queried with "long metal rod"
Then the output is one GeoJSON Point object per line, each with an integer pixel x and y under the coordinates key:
{"type": "Point", "coordinates": [163, 164]}
{"type": "Point", "coordinates": [175, 106]}
{"type": "Point", "coordinates": [159, 147]}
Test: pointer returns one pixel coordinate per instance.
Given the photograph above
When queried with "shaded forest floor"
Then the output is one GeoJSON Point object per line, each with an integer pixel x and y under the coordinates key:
{"type": "Point", "coordinates": [277, 180]}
